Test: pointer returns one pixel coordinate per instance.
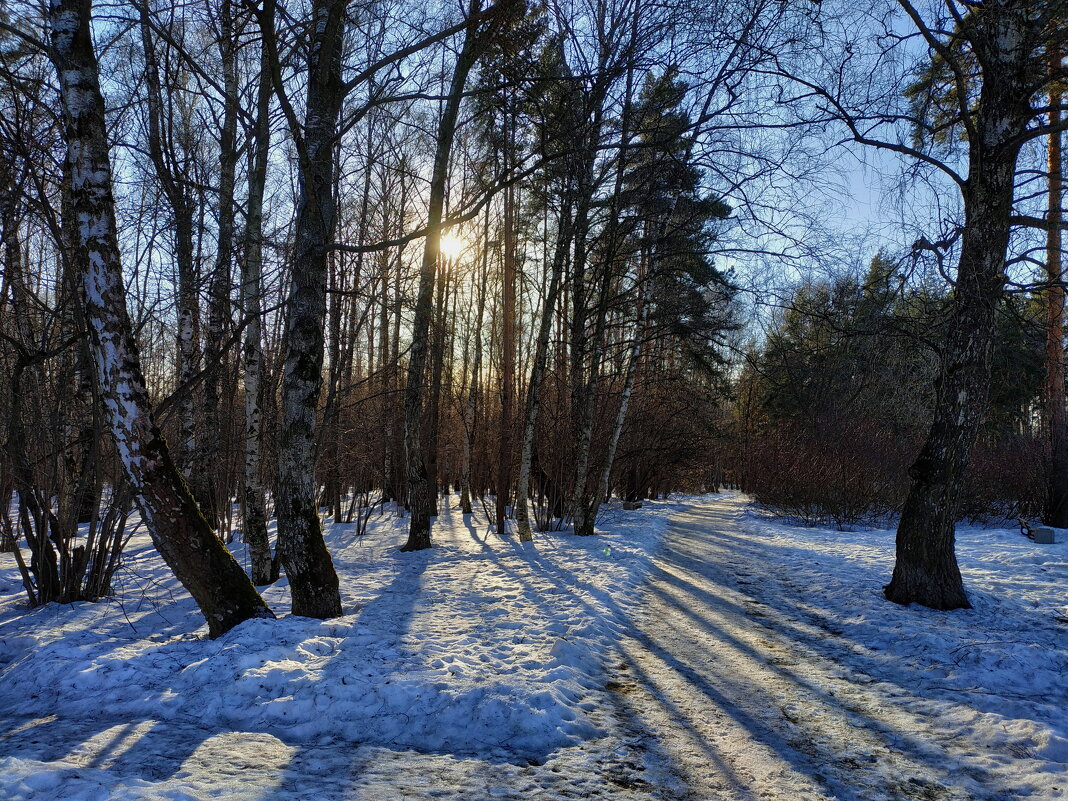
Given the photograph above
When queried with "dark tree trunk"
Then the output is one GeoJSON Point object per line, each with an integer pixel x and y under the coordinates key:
{"type": "Point", "coordinates": [926, 570]}
{"type": "Point", "coordinates": [420, 501]}
{"type": "Point", "coordinates": [253, 503]}
{"type": "Point", "coordinates": [178, 529]}
{"type": "Point", "coordinates": [1056, 512]}
{"type": "Point", "coordinates": [312, 578]}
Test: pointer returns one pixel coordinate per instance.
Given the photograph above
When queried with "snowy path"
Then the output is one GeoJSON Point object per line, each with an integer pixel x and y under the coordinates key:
{"type": "Point", "coordinates": [721, 655]}
{"type": "Point", "coordinates": [753, 693]}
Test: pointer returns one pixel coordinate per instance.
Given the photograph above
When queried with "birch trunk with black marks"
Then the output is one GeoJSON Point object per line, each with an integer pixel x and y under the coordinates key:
{"type": "Point", "coordinates": [420, 501]}
{"type": "Point", "coordinates": [926, 570]}
{"type": "Point", "coordinates": [181, 534]}
{"type": "Point", "coordinates": [303, 551]}
{"type": "Point", "coordinates": [254, 507]}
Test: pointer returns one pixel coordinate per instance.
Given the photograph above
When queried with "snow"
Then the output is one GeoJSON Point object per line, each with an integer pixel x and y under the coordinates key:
{"type": "Point", "coordinates": [698, 648]}
{"type": "Point", "coordinates": [480, 646]}
{"type": "Point", "coordinates": [989, 684]}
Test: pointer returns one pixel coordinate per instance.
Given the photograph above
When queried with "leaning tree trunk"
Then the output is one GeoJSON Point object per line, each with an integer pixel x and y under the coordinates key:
{"type": "Point", "coordinates": [1056, 512]}
{"type": "Point", "coordinates": [312, 578]}
{"type": "Point", "coordinates": [420, 502]}
{"type": "Point", "coordinates": [178, 529]}
{"type": "Point", "coordinates": [926, 570]}
{"type": "Point", "coordinates": [254, 507]}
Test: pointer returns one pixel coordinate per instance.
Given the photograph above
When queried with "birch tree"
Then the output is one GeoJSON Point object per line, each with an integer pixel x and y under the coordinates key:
{"type": "Point", "coordinates": [995, 55]}
{"type": "Point", "coordinates": [301, 547]}
{"type": "Point", "coordinates": [179, 531]}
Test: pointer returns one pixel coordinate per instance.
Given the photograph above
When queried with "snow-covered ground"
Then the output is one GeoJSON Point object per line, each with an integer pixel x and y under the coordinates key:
{"type": "Point", "coordinates": [771, 665]}
{"type": "Point", "coordinates": [738, 657]}
{"type": "Point", "coordinates": [1008, 656]}
{"type": "Point", "coordinates": [479, 648]}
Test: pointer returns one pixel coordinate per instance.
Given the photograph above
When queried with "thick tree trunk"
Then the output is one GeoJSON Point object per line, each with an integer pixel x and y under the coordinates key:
{"type": "Point", "coordinates": [926, 570]}
{"type": "Point", "coordinates": [254, 506]}
{"type": "Point", "coordinates": [312, 578]}
{"type": "Point", "coordinates": [178, 529]}
{"type": "Point", "coordinates": [1056, 512]}
{"type": "Point", "coordinates": [420, 502]}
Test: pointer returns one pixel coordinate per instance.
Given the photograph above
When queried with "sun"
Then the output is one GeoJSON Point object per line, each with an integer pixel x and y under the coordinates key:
{"type": "Point", "coordinates": [451, 246]}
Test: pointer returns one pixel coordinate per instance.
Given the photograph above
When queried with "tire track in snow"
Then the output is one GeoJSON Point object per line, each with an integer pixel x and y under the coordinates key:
{"type": "Point", "coordinates": [743, 703]}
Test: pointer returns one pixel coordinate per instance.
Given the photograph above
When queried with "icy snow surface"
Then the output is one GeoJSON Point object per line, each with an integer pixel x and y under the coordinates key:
{"type": "Point", "coordinates": [771, 666]}
{"type": "Point", "coordinates": [735, 658]}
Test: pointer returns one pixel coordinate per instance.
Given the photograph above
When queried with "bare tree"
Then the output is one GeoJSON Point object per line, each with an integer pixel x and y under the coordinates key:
{"type": "Point", "coordinates": [301, 547]}
{"type": "Point", "coordinates": [994, 56]}
{"type": "Point", "coordinates": [181, 534]}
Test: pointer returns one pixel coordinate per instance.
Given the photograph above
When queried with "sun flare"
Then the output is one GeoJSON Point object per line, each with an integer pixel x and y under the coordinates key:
{"type": "Point", "coordinates": [451, 246]}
